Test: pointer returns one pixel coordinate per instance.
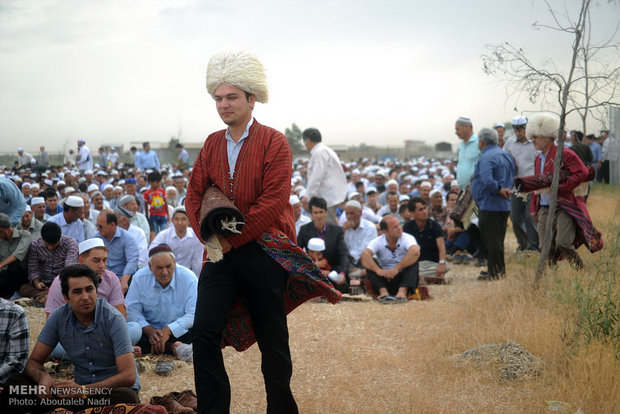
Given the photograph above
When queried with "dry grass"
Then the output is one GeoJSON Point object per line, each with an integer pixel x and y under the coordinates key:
{"type": "Point", "coordinates": [372, 358]}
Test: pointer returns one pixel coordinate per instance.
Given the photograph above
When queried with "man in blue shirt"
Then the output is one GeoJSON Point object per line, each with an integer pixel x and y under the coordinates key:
{"type": "Point", "coordinates": [490, 186]}
{"type": "Point", "coordinates": [123, 253]}
{"type": "Point", "coordinates": [162, 300]}
{"type": "Point", "coordinates": [95, 338]}
{"type": "Point", "coordinates": [148, 159]}
{"type": "Point", "coordinates": [468, 152]}
{"type": "Point", "coordinates": [12, 201]}
{"type": "Point", "coordinates": [69, 220]}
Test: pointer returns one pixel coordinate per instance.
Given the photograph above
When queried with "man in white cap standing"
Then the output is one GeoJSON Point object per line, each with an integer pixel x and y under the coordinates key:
{"type": "Point", "coordinates": [251, 165]}
{"type": "Point", "coordinates": [69, 220]}
{"type": "Point", "coordinates": [326, 178]}
{"type": "Point", "coordinates": [524, 154]}
{"type": "Point", "coordinates": [501, 130]}
{"type": "Point", "coordinates": [85, 160]}
{"type": "Point", "coordinates": [24, 159]}
{"type": "Point", "coordinates": [468, 152]}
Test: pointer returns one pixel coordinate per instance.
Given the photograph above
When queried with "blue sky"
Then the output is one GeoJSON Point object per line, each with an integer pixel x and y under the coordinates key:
{"type": "Point", "coordinates": [360, 71]}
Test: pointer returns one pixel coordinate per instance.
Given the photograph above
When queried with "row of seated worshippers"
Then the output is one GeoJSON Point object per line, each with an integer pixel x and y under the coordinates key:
{"type": "Point", "coordinates": [396, 259]}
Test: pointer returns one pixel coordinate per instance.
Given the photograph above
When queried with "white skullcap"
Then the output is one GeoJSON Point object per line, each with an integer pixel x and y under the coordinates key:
{"type": "Point", "coordinates": [48, 182]}
{"type": "Point", "coordinates": [69, 189]}
{"type": "Point", "coordinates": [93, 187]}
{"type": "Point", "coordinates": [19, 149]}
{"type": "Point", "coordinates": [105, 187]}
{"type": "Point", "coordinates": [240, 69]}
{"type": "Point", "coordinates": [171, 188]}
{"type": "Point", "coordinates": [354, 204]}
{"type": "Point", "coordinates": [403, 197]}
{"type": "Point", "coordinates": [61, 182]}
{"type": "Point", "coordinates": [35, 185]}
{"type": "Point", "coordinates": [316, 245]}
{"type": "Point", "coordinates": [435, 191]}
{"type": "Point", "coordinates": [299, 188]}
{"type": "Point", "coordinates": [293, 199]}
{"type": "Point", "coordinates": [118, 187]}
{"type": "Point", "coordinates": [371, 190]}
{"type": "Point", "coordinates": [74, 201]}
{"type": "Point", "coordinates": [25, 185]}
{"type": "Point", "coordinates": [37, 200]}
{"type": "Point", "coordinates": [121, 182]}
{"type": "Point", "coordinates": [88, 172]}
{"type": "Point", "coordinates": [454, 183]}
{"type": "Point", "coordinates": [82, 140]}
{"type": "Point", "coordinates": [423, 177]}
{"type": "Point", "coordinates": [86, 245]}
{"type": "Point", "coordinates": [425, 183]}
{"type": "Point", "coordinates": [499, 125]}
{"type": "Point", "coordinates": [100, 172]}
{"type": "Point", "coordinates": [28, 208]}
{"type": "Point", "coordinates": [353, 195]}
{"type": "Point", "coordinates": [391, 182]}
{"type": "Point", "coordinates": [519, 121]}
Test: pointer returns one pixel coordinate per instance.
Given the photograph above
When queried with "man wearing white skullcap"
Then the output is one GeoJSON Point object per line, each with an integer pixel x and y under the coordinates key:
{"type": "Point", "coordinates": [85, 160]}
{"type": "Point", "coordinates": [468, 152]}
{"type": "Point", "coordinates": [70, 219]}
{"type": "Point", "coordinates": [300, 219]}
{"type": "Point", "coordinates": [24, 159]}
{"type": "Point", "coordinates": [250, 164]}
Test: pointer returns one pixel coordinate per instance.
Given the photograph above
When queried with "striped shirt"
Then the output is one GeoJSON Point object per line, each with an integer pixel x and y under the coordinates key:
{"type": "Point", "coordinates": [45, 264]}
{"type": "Point", "coordinates": [13, 339]}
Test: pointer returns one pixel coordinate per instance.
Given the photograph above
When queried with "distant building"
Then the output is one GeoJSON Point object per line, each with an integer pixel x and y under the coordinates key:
{"type": "Point", "coordinates": [443, 147]}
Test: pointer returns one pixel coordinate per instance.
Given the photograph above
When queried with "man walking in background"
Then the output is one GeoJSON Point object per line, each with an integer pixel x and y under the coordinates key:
{"type": "Point", "coordinates": [326, 178]}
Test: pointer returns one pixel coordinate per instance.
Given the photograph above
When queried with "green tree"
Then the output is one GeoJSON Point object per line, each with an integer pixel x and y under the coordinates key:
{"type": "Point", "coordinates": [293, 135]}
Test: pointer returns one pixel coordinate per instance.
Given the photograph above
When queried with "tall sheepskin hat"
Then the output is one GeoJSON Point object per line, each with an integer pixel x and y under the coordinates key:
{"type": "Point", "coordinates": [543, 125]}
{"type": "Point", "coordinates": [240, 69]}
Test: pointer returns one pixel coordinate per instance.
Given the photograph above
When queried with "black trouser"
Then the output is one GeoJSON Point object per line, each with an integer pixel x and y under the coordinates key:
{"type": "Point", "coordinates": [407, 277]}
{"type": "Point", "coordinates": [493, 232]}
{"type": "Point", "coordinates": [12, 278]}
{"type": "Point", "coordinates": [250, 273]}
{"type": "Point", "coordinates": [522, 223]}
{"type": "Point", "coordinates": [145, 345]}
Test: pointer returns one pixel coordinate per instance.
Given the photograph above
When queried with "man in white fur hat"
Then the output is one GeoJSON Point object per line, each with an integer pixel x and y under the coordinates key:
{"type": "Point", "coordinates": [251, 165]}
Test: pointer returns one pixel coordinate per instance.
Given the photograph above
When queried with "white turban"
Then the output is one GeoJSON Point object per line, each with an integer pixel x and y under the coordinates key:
{"type": "Point", "coordinates": [240, 69]}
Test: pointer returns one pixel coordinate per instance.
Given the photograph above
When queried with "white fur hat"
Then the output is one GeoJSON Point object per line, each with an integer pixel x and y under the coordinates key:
{"type": "Point", "coordinates": [543, 125]}
{"type": "Point", "coordinates": [240, 69]}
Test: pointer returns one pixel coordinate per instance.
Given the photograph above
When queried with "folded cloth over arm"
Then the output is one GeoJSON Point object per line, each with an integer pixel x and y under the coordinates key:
{"type": "Point", "coordinates": [218, 217]}
{"type": "Point", "coordinates": [542, 181]}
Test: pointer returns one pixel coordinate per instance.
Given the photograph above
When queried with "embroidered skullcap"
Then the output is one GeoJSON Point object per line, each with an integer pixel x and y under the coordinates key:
{"type": "Point", "coordinates": [160, 248]}
{"type": "Point", "coordinates": [240, 69]}
{"type": "Point", "coordinates": [92, 187]}
{"type": "Point", "coordinates": [464, 121]}
{"type": "Point", "coordinates": [353, 203]}
{"type": "Point", "coordinates": [124, 200]}
{"type": "Point", "coordinates": [543, 125]}
{"type": "Point", "coordinates": [499, 125]}
{"type": "Point", "coordinates": [294, 200]}
{"type": "Point", "coordinates": [179, 209]}
{"type": "Point", "coordinates": [86, 245]}
{"type": "Point", "coordinates": [519, 121]}
{"type": "Point", "coordinates": [74, 201]}
{"type": "Point", "coordinates": [37, 200]}
{"type": "Point", "coordinates": [316, 245]}
{"type": "Point", "coordinates": [435, 191]}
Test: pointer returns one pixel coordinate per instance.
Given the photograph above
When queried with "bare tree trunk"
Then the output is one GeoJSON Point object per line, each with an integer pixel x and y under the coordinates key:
{"type": "Point", "coordinates": [544, 254]}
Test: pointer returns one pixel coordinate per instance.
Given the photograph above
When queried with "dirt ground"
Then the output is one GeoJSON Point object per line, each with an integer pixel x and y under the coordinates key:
{"type": "Point", "coordinates": [359, 357]}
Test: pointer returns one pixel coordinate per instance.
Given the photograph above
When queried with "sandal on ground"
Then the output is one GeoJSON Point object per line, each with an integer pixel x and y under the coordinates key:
{"type": "Point", "coordinates": [401, 300]}
{"type": "Point", "coordinates": [164, 367]}
{"type": "Point", "coordinates": [386, 300]}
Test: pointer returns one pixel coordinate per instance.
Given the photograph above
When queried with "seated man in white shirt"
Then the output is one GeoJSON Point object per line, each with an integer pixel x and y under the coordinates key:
{"type": "Point", "coordinates": [367, 212]}
{"type": "Point", "coordinates": [394, 274]}
{"type": "Point", "coordinates": [300, 219]}
{"type": "Point", "coordinates": [181, 238]}
{"type": "Point", "coordinates": [124, 217]}
{"type": "Point", "coordinates": [358, 233]}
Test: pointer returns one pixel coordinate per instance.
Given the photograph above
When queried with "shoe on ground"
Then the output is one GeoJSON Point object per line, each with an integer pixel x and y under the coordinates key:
{"type": "Point", "coordinates": [164, 368]}
{"type": "Point", "coordinates": [467, 258]}
{"type": "Point", "coordinates": [170, 404]}
{"type": "Point", "coordinates": [186, 398]}
{"type": "Point", "coordinates": [387, 300]}
{"type": "Point", "coordinates": [481, 262]}
{"type": "Point", "coordinates": [457, 259]}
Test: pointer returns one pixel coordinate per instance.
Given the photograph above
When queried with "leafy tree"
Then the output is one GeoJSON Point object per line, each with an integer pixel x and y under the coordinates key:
{"type": "Point", "coordinates": [293, 135]}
